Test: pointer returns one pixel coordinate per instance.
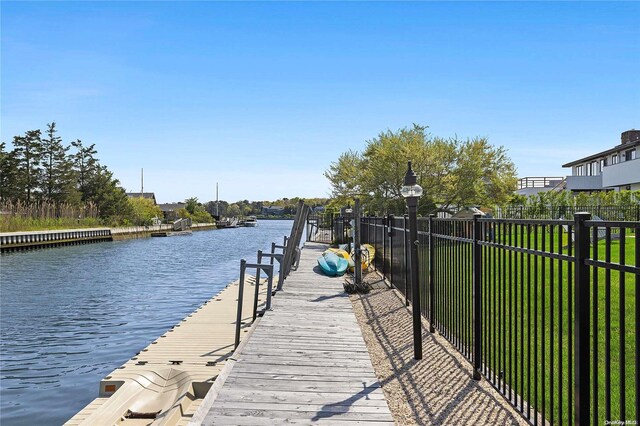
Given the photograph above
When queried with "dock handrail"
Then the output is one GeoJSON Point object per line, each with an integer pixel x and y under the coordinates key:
{"type": "Point", "coordinates": [302, 212]}
{"type": "Point", "coordinates": [268, 269]}
{"type": "Point", "coordinates": [288, 260]}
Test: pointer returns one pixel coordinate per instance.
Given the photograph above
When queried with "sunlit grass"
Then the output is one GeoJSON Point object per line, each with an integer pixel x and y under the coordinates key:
{"type": "Point", "coordinates": [529, 282]}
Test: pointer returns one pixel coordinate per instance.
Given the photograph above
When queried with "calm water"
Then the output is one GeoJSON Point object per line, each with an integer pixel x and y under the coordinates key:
{"type": "Point", "coordinates": [70, 315]}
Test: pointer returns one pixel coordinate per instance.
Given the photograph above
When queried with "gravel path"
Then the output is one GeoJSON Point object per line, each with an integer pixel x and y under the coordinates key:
{"type": "Point", "coordinates": [434, 391]}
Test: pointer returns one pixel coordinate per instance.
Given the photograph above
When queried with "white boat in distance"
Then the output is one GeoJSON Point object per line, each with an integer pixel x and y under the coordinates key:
{"type": "Point", "coordinates": [251, 221]}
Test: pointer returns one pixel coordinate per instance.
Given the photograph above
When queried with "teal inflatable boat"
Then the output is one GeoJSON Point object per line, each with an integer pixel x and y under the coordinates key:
{"type": "Point", "coordinates": [332, 264]}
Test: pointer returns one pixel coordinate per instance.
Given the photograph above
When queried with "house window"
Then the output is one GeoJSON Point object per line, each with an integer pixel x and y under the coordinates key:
{"type": "Point", "coordinates": [580, 170]}
{"type": "Point", "coordinates": [630, 155]}
{"type": "Point", "coordinates": [603, 164]}
{"type": "Point", "coordinates": [615, 159]}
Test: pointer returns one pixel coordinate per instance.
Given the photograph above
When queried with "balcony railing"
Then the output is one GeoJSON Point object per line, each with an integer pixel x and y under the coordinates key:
{"type": "Point", "coordinates": [538, 182]}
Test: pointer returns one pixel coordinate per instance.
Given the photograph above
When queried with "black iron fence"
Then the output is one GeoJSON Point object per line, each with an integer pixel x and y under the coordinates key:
{"type": "Point", "coordinates": [546, 310]}
{"type": "Point", "coordinates": [329, 228]}
{"type": "Point", "coordinates": [605, 212]}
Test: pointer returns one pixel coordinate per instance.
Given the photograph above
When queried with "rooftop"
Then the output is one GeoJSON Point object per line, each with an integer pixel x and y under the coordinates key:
{"type": "Point", "coordinates": [629, 139]}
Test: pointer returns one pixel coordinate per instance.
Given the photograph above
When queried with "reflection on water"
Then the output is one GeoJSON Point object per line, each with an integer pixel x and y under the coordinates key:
{"type": "Point", "coordinates": [70, 315]}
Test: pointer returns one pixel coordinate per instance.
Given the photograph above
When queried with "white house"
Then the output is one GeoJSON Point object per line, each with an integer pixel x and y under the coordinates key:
{"type": "Point", "coordinates": [617, 168]}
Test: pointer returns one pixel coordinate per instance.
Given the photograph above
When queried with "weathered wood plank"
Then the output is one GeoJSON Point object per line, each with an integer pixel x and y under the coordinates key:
{"type": "Point", "coordinates": [282, 416]}
{"type": "Point", "coordinates": [307, 370]}
{"type": "Point", "coordinates": [308, 384]}
{"type": "Point", "coordinates": [335, 398]}
{"type": "Point", "coordinates": [305, 362]}
{"type": "Point", "coordinates": [293, 358]}
{"type": "Point", "coordinates": [313, 408]}
{"type": "Point", "coordinates": [268, 377]}
{"type": "Point", "coordinates": [235, 420]}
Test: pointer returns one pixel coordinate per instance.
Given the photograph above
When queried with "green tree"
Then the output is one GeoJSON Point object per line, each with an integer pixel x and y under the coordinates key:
{"type": "Point", "coordinates": [482, 175]}
{"type": "Point", "coordinates": [202, 216]}
{"type": "Point", "coordinates": [452, 172]}
{"type": "Point", "coordinates": [183, 213]}
{"type": "Point", "coordinates": [192, 204]}
{"type": "Point", "coordinates": [86, 165]}
{"type": "Point", "coordinates": [344, 176]}
{"type": "Point", "coordinates": [143, 210]}
{"type": "Point", "coordinates": [233, 210]}
{"type": "Point", "coordinates": [104, 191]}
{"type": "Point", "coordinates": [9, 189]}
{"type": "Point", "coordinates": [197, 211]}
{"type": "Point", "coordinates": [28, 154]}
{"type": "Point", "coordinates": [58, 178]}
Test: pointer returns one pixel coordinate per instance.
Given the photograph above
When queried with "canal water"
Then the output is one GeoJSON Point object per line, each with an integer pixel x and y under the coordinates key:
{"type": "Point", "coordinates": [71, 315]}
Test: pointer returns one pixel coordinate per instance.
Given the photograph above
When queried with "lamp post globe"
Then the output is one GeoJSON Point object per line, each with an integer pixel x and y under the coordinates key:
{"type": "Point", "coordinates": [410, 189]}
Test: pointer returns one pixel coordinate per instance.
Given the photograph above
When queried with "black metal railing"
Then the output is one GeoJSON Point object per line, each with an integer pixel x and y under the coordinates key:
{"type": "Point", "coordinates": [539, 182]}
{"type": "Point", "coordinates": [321, 227]}
{"type": "Point", "coordinates": [605, 212]}
{"type": "Point", "coordinates": [546, 310]}
{"type": "Point", "coordinates": [286, 260]}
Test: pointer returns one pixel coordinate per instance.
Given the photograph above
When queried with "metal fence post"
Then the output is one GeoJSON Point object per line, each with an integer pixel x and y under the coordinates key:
{"type": "Point", "coordinates": [257, 290]}
{"type": "Point", "coordinates": [416, 311]}
{"type": "Point", "coordinates": [477, 305]}
{"type": "Point", "coordinates": [582, 291]}
{"type": "Point", "coordinates": [357, 270]}
{"type": "Point", "coordinates": [405, 236]}
{"type": "Point", "coordinates": [432, 279]}
{"type": "Point", "coordinates": [243, 264]}
{"type": "Point", "coordinates": [334, 218]}
{"type": "Point", "coordinates": [383, 235]}
{"type": "Point", "coordinates": [390, 235]}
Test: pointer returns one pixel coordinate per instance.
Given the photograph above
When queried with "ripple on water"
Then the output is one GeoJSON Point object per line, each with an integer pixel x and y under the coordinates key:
{"type": "Point", "coordinates": [71, 315]}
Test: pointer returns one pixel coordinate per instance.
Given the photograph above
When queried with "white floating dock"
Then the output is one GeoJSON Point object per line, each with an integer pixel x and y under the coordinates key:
{"type": "Point", "coordinates": [165, 383]}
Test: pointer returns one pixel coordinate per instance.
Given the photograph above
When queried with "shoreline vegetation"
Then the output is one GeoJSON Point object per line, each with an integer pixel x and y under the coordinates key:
{"type": "Point", "coordinates": [58, 224]}
{"type": "Point", "coordinates": [46, 184]}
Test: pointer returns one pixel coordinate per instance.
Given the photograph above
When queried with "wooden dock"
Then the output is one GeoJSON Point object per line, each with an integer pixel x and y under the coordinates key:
{"type": "Point", "coordinates": [306, 361]}
{"type": "Point", "coordinates": [166, 382]}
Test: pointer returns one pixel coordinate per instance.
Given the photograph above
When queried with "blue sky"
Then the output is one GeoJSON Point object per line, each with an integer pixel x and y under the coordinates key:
{"type": "Point", "coordinates": [262, 97]}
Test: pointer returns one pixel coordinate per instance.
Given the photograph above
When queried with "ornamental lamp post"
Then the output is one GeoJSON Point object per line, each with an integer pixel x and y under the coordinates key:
{"type": "Point", "coordinates": [411, 191]}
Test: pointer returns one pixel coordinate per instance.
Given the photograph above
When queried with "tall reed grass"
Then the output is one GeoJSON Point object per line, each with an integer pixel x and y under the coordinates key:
{"type": "Point", "coordinates": [40, 215]}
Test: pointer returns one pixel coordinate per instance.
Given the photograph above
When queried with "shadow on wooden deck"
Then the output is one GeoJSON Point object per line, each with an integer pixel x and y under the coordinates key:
{"type": "Point", "coordinates": [306, 361]}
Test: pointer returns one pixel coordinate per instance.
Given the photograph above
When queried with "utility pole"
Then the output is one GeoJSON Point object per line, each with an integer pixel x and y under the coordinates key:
{"type": "Point", "coordinates": [217, 212]}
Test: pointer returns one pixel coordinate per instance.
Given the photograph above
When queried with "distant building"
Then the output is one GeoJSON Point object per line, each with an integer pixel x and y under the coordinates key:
{"type": "Point", "coordinates": [468, 213]}
{"type": "Point", "coordinates": [170, 210]}
{"type": "Point", "coordinates": [273, 211]}
{"type": "Point", "coordinates": [147, 195]}
{"type": "Point", "coordinates": [617, 168]}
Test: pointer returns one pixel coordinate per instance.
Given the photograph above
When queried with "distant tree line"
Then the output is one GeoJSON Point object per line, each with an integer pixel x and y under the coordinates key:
{"type": "Point", "coordinates": [195, 211]}
{"type": "Point", "coordinates": [254, 208]}
{"type": "Point", "coordinates": [42, 179]}
{"type": "Point", "coordinates": [41, 169]}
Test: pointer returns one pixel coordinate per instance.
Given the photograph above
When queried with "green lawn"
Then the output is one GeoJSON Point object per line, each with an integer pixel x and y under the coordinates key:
{"type": "Point", "coordinates": [532, 282]}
